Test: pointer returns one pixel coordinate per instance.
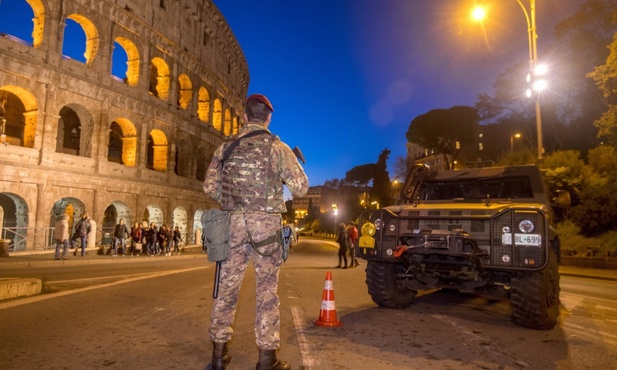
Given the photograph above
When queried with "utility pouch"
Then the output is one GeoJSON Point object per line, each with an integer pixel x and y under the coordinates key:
{"type": "Point", "coordinates": [215, 224]}
{"type": "Point", "coordinates": [287, 235]}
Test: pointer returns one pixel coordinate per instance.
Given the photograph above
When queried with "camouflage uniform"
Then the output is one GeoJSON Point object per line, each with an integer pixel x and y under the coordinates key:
{"type": "Point", "coordinates": [250, 185]}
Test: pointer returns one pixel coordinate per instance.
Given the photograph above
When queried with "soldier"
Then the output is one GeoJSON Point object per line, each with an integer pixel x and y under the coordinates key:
{"type": "Point", "coordinates": [249, 184]}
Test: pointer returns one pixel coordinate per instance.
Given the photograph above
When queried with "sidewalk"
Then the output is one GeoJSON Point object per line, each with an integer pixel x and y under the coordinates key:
{"type": "Point", "coordinates": [14, 286]}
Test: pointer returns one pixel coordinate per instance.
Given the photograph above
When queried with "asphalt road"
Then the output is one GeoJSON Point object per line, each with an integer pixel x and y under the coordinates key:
{"type": "Point", "coordinates": [152, 313]}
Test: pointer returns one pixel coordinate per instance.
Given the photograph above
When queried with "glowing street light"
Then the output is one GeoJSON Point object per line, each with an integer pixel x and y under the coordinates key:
{"type": "Point", "coordinates": [536, 71]}
{"type": "Point", "coordinates": [518, 136]}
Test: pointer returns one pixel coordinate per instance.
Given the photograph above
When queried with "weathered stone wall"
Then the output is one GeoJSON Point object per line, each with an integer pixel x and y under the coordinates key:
{"type": "Point", "coordinates": [165, 111]}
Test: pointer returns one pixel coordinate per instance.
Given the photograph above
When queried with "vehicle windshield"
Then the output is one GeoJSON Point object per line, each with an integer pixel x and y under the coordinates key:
{"type": "Point", "coordinates": [474, 189]}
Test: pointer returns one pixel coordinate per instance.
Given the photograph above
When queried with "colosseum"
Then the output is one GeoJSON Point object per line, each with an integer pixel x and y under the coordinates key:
{"type": "Point", "coordinates": [76, 138]}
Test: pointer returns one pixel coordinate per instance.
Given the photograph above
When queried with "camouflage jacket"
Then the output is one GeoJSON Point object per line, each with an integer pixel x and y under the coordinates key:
{"type": "Point", "coordinates": [254, 173]}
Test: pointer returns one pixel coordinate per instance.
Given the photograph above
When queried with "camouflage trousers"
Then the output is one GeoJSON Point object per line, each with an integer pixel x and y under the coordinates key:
{"type": "Point", "coordinates": [261, 225]}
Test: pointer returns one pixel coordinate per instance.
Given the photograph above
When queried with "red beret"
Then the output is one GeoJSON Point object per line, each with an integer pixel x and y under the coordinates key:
{"type": "Point", "coordinates": [260, 98]}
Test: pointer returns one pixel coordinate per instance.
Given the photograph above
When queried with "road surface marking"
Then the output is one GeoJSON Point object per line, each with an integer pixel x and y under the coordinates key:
{"type": "Point", "coordinates": [307, 360]}
{"type": "Point", "coordinates": [22, 301]}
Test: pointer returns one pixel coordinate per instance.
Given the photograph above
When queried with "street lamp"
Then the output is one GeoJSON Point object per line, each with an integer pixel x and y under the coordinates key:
{"type": "Point", "coordinates": [518, 136]}
{"type": "Point", "coordinates": [535, 70]}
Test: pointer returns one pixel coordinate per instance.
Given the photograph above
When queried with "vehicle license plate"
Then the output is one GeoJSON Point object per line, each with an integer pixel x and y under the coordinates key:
{"type": "Point", "coordinates": [534, 240]}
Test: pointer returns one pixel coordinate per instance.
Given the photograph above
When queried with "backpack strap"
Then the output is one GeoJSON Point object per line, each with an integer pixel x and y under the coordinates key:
{"type": "Point", "coordinates": [235, 143]}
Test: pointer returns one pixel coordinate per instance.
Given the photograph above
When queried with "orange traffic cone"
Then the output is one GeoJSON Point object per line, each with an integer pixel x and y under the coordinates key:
{"type": "Point", "coordinates": [327, 314]}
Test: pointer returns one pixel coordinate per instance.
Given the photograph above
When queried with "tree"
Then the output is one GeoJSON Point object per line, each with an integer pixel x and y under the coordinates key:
{"type": "Point", "coordinates": [382, 188]}
{"type": "Point", "coordinates": [605, 77]}
{"type": "Point", "coordinates": [445, 131]}
{"type": "Point", "coordinates": [361, 175]}
{"type": "Point", "coordinates": [400, 168]}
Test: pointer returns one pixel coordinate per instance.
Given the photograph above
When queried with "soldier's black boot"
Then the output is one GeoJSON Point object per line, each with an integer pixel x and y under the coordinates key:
{"type": "Point", "coordinates": [220, 356]}
{"type": "Point", "coordinates": [269, 361]}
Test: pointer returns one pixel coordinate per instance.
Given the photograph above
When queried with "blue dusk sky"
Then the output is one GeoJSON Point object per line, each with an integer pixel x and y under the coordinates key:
{"type": "Point", "coordinates": [346, 77]}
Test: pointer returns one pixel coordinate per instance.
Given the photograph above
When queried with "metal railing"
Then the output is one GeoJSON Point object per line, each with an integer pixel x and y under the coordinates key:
{"type": "Point", "coordinates": [22, 237]}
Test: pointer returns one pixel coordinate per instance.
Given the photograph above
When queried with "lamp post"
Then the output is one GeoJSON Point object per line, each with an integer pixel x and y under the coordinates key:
{"type": "Point", "coordinates": [518, 136]}
{"type": "Point", "coordinates": [532, 37]}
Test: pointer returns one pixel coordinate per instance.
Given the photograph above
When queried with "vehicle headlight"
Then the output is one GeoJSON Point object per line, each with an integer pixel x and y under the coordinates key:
{"type": "Point", "coordinates": [368, 229]}
{"type": "Point", "coordinates": [526, 226]}
{"type": "Point", "coordinates": [378, 224]}
{"type": "Point", "coordinates": [392, 227]}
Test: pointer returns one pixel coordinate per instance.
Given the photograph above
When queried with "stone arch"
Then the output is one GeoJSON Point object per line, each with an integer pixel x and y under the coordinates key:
{"type": "Point", "coordinates": [217, 115]}
{"type": "Point", "coordinates": [157, 151]}
{"type": "Point", "coordinates": [203, 157]}
{"type": "Point", "coordinates": [227, 122]}
{"type": "Point", "coordinates": [183, 159]}
{"type": "Point", "coordinates": [180, 219]}
{"type": "Point", "coordinates": [75, 127]}
{"type": "Point", "coordinates": [29, 11]}
{"type": "Point", "coordinates": [122, 146]}
{"type": "Point", "coordinates": [203, 105]}
{"type": "Point", "coordinates": [197, 227]}
{"type": "Point", "coordinates": [14, 221]}
{"type": "Point", "coordinates": [18, 116]}
{"type": "Point", "coordinates": [92, 36]}
{"type": "Point", "coordinates": [159, 78]}
{"type": "Point", "coordinates": [185, 93]}
{"type": "Point", "coordinates": [73, 207]}
{"type": "Point", "coordinates": [113, 213]}
{"type": "Point", "coordinates": [131, 74]}
{"type": "Point", "coordinates": [236, 127]}
{"type": "Point", "coordinates": [153, 213]}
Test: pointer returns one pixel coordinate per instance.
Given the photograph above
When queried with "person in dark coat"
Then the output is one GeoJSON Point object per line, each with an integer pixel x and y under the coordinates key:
{"type": "Point", "coordinates": [341, 239]}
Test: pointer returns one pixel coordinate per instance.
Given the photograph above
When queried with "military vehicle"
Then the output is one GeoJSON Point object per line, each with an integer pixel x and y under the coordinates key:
{"type": "Point", "coordinates": [486, 231]}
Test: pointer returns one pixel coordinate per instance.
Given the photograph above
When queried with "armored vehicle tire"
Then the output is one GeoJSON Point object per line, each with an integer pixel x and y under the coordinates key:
{"type": "Point", "coordinates": [383, 286]}
{"type": "Point", "coordinates": [535, 296]}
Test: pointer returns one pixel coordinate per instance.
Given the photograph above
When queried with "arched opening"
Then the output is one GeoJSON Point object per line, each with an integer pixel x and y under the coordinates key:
{"type": "Point", "coordinates": [122, 147]}
{"type": "Point", "coordinates": [74, 131]}
{"type": "Point", "coordinates": [159, 78]}
{"type": "Point", "coordinates": [153, 213]}
{"type": "Point", "coordinates": [157, 151]}
{"type": "Point", "coordinates": [203, 105]}
{"type": "Point", "coordinates": [113, 213]}
{"type": "Point", "coordinates": [217, 115]}
{"type": "Point", "coordinates": [89, 38]}
{"type": "Point", "coordinates": [227, 122]}
{"type": "Point", "coordinates": [22, 13]}
{"type": "Point", "coordinates": [180, 219]}
{"type": "Point", "coordinates": [197, 227]}
{"type": "Point", "coordinates": [18, 113]}
{"type": "Point", "coordinates": [14, 220]}
{"type": "Point", "coordinates": [203, 157]}
{"type": "Point", "coordinates": [73, 207]}
{"type": "Point", "coordinates": [236, 127]}
{"type": "Point", "coordinates": [185, 93]}
{"type": "Point", "coordinates": [125, 61]}
{"type": "Point", "coordinates": [183, 159]}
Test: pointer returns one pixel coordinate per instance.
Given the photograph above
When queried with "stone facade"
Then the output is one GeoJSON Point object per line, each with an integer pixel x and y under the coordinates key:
{"type": "Point", "coordinates": [77, 139]}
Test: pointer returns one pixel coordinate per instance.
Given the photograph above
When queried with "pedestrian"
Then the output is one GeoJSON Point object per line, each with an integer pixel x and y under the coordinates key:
{"type": "Point", "coordinates": [341, 239]}
{"type": "Point", "coordinates": [151, 240]}
{"type": "Point", "coordinates": [352, 240]}
{"type": "Point", "coordinates": [82, 229]}
{"type": "Point", "coordinates": [162, 240]}
{"type": "Point", "coordinates": [61, 236]}
{"type": "Point", "coordinates": [176, 237]}
{"type": "Point", "coordinates": [246, 177]}
{"type": "Point", "coordinates": [120, 233]}
{"type": "Point", "coordinates": [136, 239]}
